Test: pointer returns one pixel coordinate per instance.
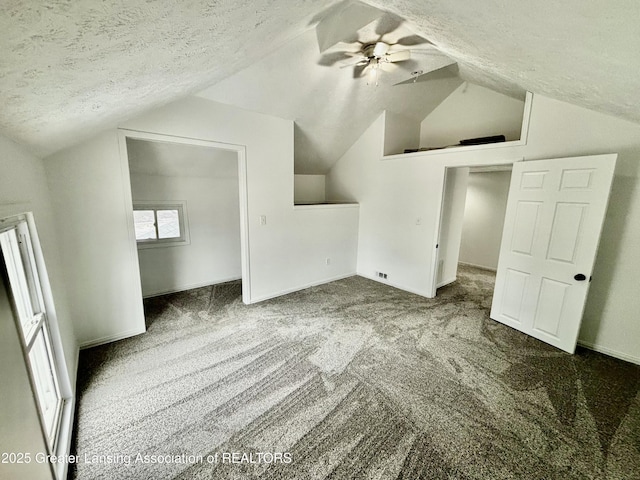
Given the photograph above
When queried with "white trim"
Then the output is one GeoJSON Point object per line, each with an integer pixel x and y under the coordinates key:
{"type": "Point", "coordinates": [526, 118]}
{"type": "Point", "coordinates": [392, 284]}
{"type": "Point", "coordinates": [610, 352]}
{"type": "Point", "coordinates": [524, 136]}
{"type": "Point", "coordinates": [111, 338]}
{"type": "Point", "coordinates": [298, 289]}
{"type": "Point", "coordinates": [183, 219]}
{"type": "Point", "coordinates": [436, 241]}
{"type": "Point", "coordinates": [474, 265]}
{"type": "Point", "coordinates": [241, 150]}
{"type": "Point", "coordinates": [318, 206]}
{"type": "Point", "coordinates": [191, 287]}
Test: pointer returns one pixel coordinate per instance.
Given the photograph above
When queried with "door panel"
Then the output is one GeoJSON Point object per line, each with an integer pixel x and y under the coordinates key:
{"type": "Point", "coordinates": [555, 213]}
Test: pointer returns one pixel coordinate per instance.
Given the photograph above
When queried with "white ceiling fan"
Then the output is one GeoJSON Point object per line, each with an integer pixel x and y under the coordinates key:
{"type": "Point", "coordinates": [381, 44]}
{"type": "Point", "coordinates": [373, 56]}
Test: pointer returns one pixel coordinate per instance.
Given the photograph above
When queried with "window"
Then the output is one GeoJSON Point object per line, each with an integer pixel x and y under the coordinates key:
{"type": "Point", "coordinates": [18, 261]}
{"type": "Point", "coordinates": [160, 224]}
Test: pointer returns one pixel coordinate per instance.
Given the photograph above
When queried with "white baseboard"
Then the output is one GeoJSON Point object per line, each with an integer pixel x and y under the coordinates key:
{"type": "Point", "coordinates": [475, 265]}
{"type": "Point", "coordinates": [297, 289]}
{"type": "Point", "coordinates": [111, 338]}
{"type": "Point", "coordinates": [184, 288]}
{"type": "Point", "coordinates": [394, 285]}
{"type": "Point", "coordinates": [610, 352]}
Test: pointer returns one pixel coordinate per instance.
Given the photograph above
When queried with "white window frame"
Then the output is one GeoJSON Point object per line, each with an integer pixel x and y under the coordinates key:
{"type": "Point", "coordinates": [181, 207]}
{"type": "Point", "coordinates": [31, 316]}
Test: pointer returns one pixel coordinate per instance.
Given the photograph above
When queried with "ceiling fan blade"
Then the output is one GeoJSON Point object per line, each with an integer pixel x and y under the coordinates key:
{"type": "Point", "coordinates": [412, 40]}
{"type": "Point", "coordinates": [362, 61]}
{"type": "Point", "coordinates": [410, 65]}
{"type": "Point", "coordinates": [330, 59]}
{"type": "Point", "coordinates": [399, 56]}
{"type": "Point", "coordinates": [358, 70]}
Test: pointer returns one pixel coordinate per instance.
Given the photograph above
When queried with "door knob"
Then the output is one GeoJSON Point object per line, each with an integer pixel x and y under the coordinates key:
{"type": "Point", "coordinates": [580, 277]}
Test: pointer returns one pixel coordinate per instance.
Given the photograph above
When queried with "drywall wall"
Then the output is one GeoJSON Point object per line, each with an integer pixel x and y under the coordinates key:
{"type": "Point", "coordinates": [453, 202]}
{"type": "Point", "coordinates": [558, 129]}
{"type": "Point", "coordinates": [472, 111]}
{"type": "Point", "coordinates": [286, 253]}
{"type": "Point", "coordinates": [400, 133]}
{"type": "Point", "coordinates": [101, 265]}
{"type": "Point", "coordinates": [484, 213]}
{"type": "Point", "coordinates": [400, 200]}
{"type": "Point", "coordinates": [394, 192]}
{"type": "Point", "coordinates": [20, 431]}
{"type": "Point", "coordinates": [308, 189]}
{"type": "Point", "coordinates": [213, 253]}
{"type": "Point", "coordinates": [23, 187]}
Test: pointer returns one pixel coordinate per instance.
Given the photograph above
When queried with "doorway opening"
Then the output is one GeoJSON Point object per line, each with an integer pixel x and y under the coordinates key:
{"type": "Point", "coordinates": [473, 212]}
{"type": "Point", "coordinates": [188, 212]}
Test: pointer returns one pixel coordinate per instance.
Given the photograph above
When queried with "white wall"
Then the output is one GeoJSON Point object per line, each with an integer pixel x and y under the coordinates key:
{"type": "Point", "coordinates": [286, 254]}
{"type": "Point", "coordinates": [23, 186]}
{"type": "Point", "coordinates": [309, 189]}
{"type": "Point", "coordinates": [484, 213]}
{"type": "Point", "coordinates": [472, 111]}
{"type": "Point", "coordinates": [101, 272]}
{"type": "Point", "coordinates": [400, 133]}
{"type": "Point", "coordinates": [213, 254]}
{"type": "Point", "coordinates": [455, 193]}
{"type": "Point", "coordinates": [394, 192]}
{"type": "Point", "coordinates": [400, 200]}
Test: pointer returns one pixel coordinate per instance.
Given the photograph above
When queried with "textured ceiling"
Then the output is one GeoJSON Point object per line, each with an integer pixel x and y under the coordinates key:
{"type": "Point", "coordinates": [71, 68]}
{"type": "Point", "coordinates": [331, 109]}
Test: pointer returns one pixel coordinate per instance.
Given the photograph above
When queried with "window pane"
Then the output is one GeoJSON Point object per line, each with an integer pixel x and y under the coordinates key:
{"type": "Point", "coordinates": [168, 224]}
{"type": "Point", "coordinates": [144, 224]}
{"type": "Point", "coordinates": [43, 378]}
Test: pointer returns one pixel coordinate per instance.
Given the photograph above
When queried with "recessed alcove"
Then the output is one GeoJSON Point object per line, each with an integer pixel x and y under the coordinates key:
{"type": "Point", "coordinates": [463, 121]}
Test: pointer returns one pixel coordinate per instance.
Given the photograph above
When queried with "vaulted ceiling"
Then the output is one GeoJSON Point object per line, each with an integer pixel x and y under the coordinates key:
{"type": "Point", "coordinates": [69, 69]}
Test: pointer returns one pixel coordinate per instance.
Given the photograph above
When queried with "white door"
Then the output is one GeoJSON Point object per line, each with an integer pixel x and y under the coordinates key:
{"type": "Point", "coordinates": [555, 213]}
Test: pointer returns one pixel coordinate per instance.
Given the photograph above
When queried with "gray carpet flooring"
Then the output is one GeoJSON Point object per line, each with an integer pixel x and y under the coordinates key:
{"type": "Point", "coordinates": [350, 380]}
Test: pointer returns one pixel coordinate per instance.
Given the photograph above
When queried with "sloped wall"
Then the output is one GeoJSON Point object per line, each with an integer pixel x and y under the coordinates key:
{"type": "Point", "coordinates": [472, 111]}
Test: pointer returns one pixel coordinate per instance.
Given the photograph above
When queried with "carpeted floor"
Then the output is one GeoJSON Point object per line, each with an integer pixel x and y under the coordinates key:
{"type": "Point", "coordinates": [350, 380]}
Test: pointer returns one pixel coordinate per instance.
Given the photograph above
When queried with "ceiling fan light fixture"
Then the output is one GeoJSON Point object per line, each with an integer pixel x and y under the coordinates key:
{"type": "Point", "coordinates": [380, 49]}
{"type": "Point", "coordinates": [374, 68]}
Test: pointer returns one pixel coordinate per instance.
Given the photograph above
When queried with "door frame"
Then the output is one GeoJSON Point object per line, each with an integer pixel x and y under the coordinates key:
{"type": "Point", "coordinates": [436, 251]}
{"type": "Point", "coordinates": [241, 152]}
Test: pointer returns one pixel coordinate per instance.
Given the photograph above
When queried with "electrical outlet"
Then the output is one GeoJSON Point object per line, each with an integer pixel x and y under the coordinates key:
{"type": "Point", "coordinates": [263, 219]}
{"type": "Point", "coordinates": [381, 275]}
{"type": "Point", "coordinates": [327, 261]}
